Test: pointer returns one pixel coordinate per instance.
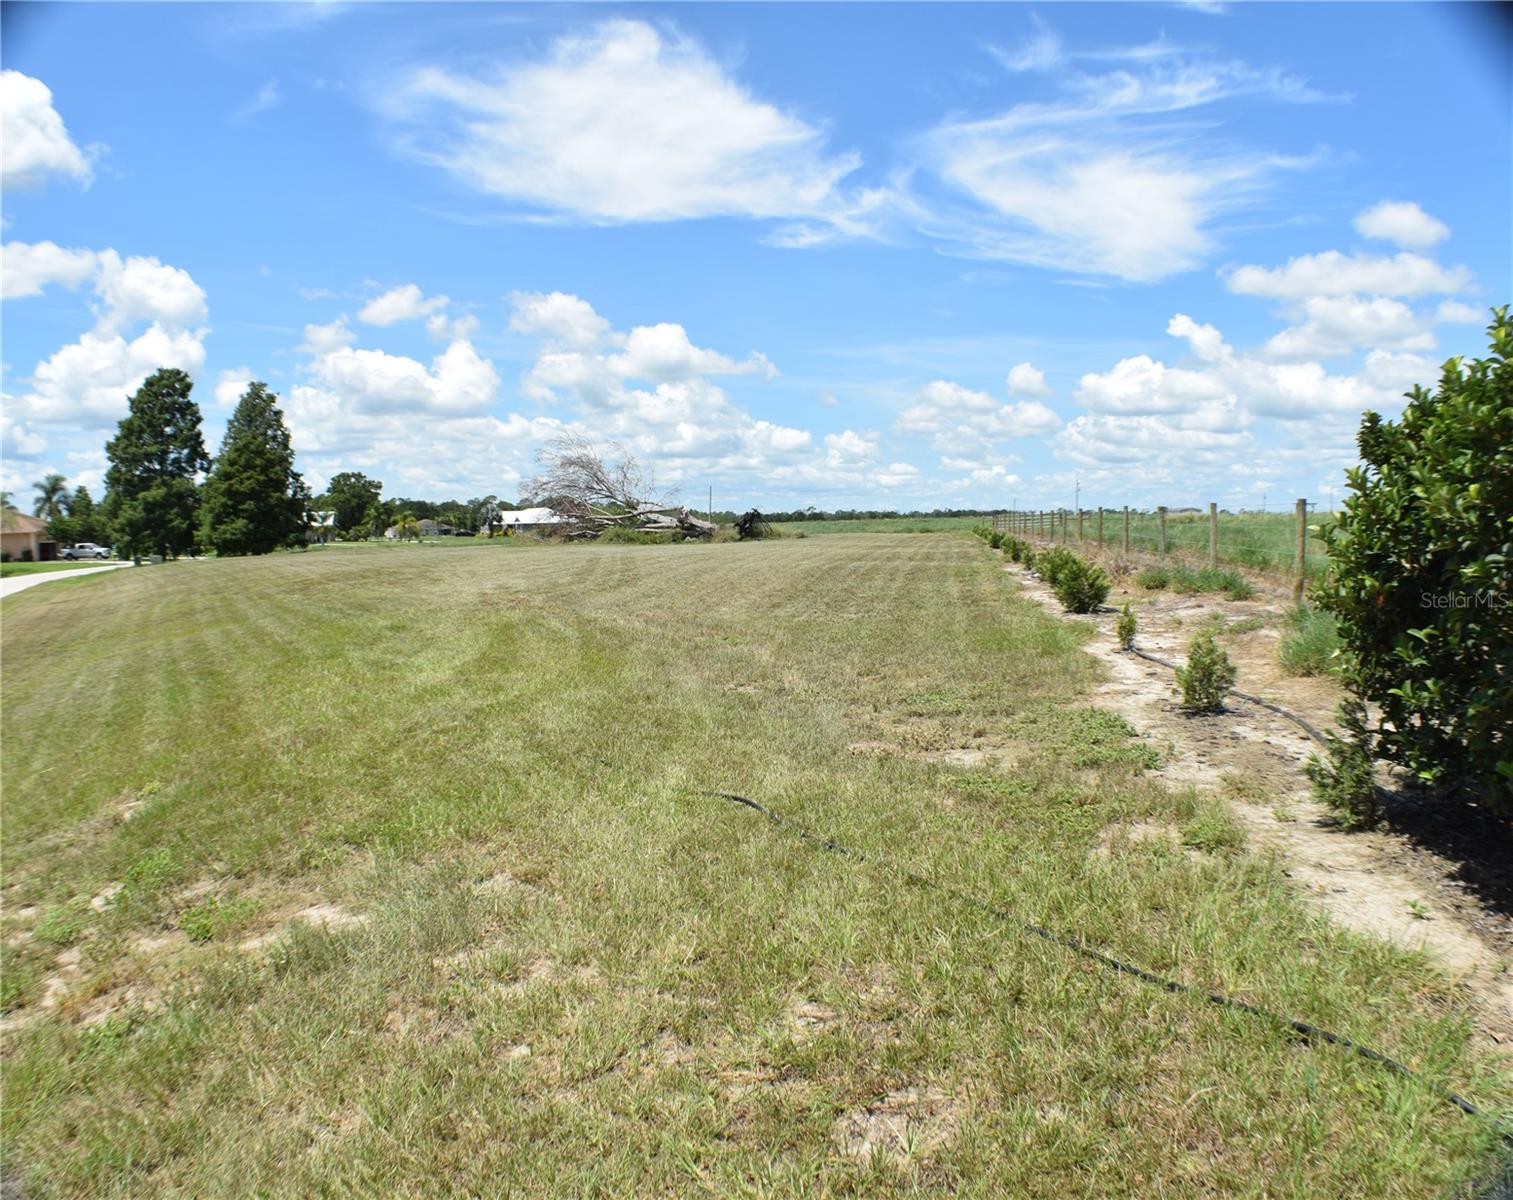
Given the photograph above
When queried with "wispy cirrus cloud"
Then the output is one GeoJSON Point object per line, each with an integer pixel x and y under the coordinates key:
{"type": "Point", "coordinates": [1116, 175]}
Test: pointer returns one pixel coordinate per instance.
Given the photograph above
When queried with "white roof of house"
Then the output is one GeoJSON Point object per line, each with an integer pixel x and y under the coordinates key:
{"type": "Point", "coordinates": [530, 516]}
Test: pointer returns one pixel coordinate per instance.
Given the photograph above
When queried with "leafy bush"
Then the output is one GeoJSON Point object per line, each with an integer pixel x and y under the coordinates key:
{"type": "Point", "coordinates": [1208, 676]}
{"type": "Point", "coordinates": [1081, 586]}
{"type": "Point", "coordinates": [26, 555]}
{"type": "Point", "coordinates": [1153, 579]}
{"type": "Point", "coordinates": [1124, 627]}
{"type": "Point", "coordinates": [1422, 577]}
{"type": "Point", "coordinates": [995, 540]}
{"type": "Point", "coordinates": [1344, 778]}
{"type": "Point", "coordinates": [1310, 642]}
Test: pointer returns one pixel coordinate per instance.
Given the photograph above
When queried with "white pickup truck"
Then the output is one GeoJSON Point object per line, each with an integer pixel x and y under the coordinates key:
{"type": "Point", "coordinates": [84, 550]}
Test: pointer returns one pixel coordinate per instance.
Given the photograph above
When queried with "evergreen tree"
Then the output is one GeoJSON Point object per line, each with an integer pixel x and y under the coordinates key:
{"type": "Point", "coordinates": [254, 498]}
{"type": "Point", "coordinates": [152, 499]}
{"type": "Point", "coordinates": [84, 520]}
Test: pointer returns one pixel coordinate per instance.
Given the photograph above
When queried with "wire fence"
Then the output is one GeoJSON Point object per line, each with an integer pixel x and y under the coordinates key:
{"type": "Point", "coordinates": [1279, 544]}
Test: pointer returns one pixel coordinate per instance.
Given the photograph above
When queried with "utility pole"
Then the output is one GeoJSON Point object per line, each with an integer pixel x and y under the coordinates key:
{"type": "Point", "coordinates": [711, 504]}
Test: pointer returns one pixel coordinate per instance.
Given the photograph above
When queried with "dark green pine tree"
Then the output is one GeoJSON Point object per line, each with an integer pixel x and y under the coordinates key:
{"type": "Point", "coordinates": [152, 499]}
{"type": "Point", "coordinates": [254, 498]}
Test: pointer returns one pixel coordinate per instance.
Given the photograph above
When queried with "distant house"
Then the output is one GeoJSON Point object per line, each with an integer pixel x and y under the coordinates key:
{"type": "Point", "coordinates": [25, 538]}
{"type": "Point", "coordinates": [525, 518]}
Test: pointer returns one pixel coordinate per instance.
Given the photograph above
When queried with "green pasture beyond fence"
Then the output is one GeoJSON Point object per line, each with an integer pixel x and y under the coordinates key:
{"type": "Point", "coordinates": [1278, 543]}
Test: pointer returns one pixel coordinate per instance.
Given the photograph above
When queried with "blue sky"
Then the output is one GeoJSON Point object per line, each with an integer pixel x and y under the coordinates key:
{"type": "Point", "coordinates": [882, 256]}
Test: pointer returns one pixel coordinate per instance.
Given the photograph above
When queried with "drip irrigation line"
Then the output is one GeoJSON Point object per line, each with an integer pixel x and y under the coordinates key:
{"type": "Point", "coordinates": [1384, 794]}
{"type": "Point", "coordinates": [1308, 1031]}
{"type": "Point", "coordinates": [1305, 726]}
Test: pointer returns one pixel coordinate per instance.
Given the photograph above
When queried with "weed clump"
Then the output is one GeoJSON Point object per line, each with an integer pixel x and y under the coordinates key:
{"type": "Point", "coordinates": [1153, 579]}
{"type": "Point", "coordinates": [1311, 644]}
{"type": "Point", "coordinates": [1208, 676]}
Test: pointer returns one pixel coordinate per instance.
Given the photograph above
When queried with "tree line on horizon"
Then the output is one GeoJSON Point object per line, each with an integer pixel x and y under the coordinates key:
{"type": "Point", "coordinates": [165, 494]}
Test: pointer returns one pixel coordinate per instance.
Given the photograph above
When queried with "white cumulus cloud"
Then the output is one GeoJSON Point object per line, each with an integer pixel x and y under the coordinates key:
{"type": "Point", "coordinates": [1026, 379]}
{"type": "Point", "coordinates": [404, 303]}
{"type": "Point", "coordinates": [88, 381]}
{"type": "Point", "coordinates": [1401, 222]}
{"type": "Point", "coordinates": [1333, 273]}
{"type": "Point", "coordinates": [960, 420]}
{"type": "Point", "coordinates": [29, 268]}
{"type": "Point", "coordinates": [36, 142]}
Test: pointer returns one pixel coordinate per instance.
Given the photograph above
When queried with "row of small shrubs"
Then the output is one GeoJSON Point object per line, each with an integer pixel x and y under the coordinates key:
{"type": "Point", "coordinates": [1081, 586]}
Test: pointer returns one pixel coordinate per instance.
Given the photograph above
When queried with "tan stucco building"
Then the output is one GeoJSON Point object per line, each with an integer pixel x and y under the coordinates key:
{"type": "Point", "coordinates": [20, 534]}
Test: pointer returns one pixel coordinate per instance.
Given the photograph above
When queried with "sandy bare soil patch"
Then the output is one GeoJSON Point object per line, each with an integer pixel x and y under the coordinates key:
{"type": "Point", "coordinates": [1374, 882]}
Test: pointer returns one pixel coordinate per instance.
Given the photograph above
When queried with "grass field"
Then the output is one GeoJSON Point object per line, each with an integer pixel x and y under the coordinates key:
{"type": "Point", "coordinates": [548, 965]}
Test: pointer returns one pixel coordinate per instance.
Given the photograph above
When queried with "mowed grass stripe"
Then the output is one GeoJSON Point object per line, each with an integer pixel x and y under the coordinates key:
{"type": "Point", "coordinates": [383, 730]}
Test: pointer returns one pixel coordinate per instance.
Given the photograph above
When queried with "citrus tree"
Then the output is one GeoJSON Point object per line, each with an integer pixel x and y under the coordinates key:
{"type": "Point", "coordinates": [1421, 580]}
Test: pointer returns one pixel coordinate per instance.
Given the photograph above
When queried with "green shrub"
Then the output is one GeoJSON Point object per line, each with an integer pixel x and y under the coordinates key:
{"type": "Point", "coordinates": [1030, 557]}
{"type": "Point", "coordinates": [1310, 643]}
{"type": "Point", "coordinates": [1208, 676]}
{"type": "Point", "coordinates": [1153, 579]}
{"type": "Point", "coordinates": [995, 540]}
{"type": "Point", "coordinates": [1050, 563]}
{"type": "Point", "coordinates": [1125, 626]}
{"type": "Point", "coordinates": [1344, 779]}
{"type": "Point", "coordinates": [1081, 586]}
{"type": "Point", "coordinates": [1421, 576]}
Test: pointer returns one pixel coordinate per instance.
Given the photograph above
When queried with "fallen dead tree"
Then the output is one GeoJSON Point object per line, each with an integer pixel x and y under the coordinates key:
{"type": "Point", "coordinates": [594, 490]}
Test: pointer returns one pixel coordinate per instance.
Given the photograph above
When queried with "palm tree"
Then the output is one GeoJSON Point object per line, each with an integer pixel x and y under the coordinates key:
{"type": "Point", "coordinates": [52, 495]}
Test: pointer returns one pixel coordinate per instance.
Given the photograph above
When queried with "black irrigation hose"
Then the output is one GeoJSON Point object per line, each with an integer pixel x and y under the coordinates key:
{"type": "Point", "coordinates": [1311, 730]}
{"type": "Point", "coordinates": [1305, 726]}
{"type": "Point", "coordinates": [1071, 942]}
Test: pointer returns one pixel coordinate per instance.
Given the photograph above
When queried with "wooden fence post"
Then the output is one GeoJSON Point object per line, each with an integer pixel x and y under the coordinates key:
{"type": "Point", "coordinates": [1300, 559]}
{"type": "Point", "coordinates": [1079, 525]}
{"type": "Point", "coordinates": [1126, 531]}
{"type": "Point", "coordinates": [1213, 534]}
{"type": "Point", "coordinates": [1100, 527]}
{"type": "Point", "coordinates": [1161, 530]}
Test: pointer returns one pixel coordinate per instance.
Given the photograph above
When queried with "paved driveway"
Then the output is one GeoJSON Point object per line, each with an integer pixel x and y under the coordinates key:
{"type": "Point", "coordinates": [19, 583]}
